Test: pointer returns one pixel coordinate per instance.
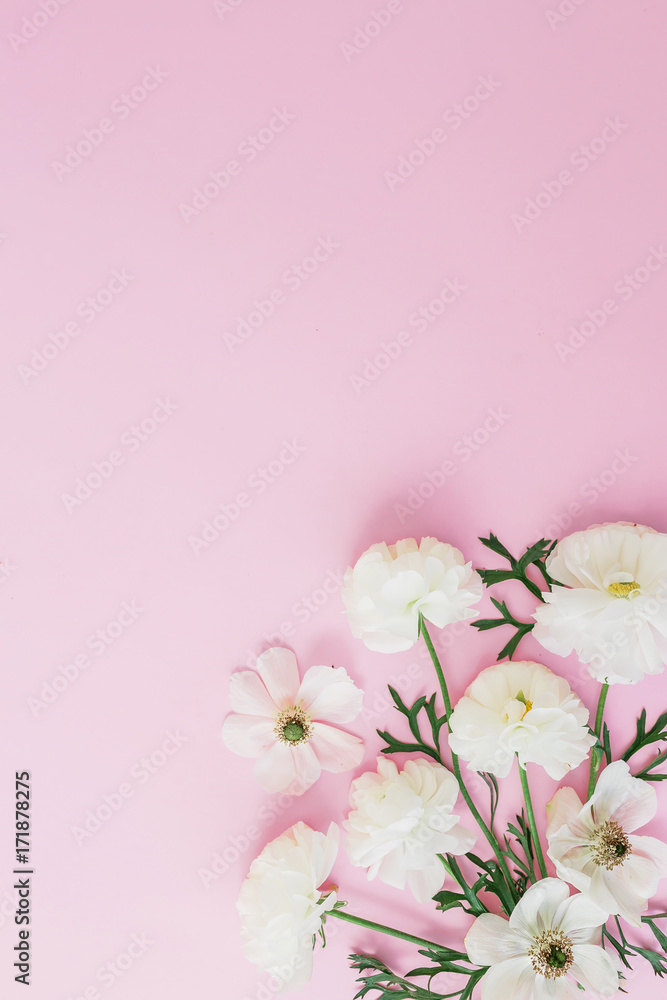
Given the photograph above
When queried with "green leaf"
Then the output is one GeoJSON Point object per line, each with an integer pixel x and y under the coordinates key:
{"type": "Point", "coordinates": [494, 793]}
{"type": "Point", "coordinates": [656, 961]}
{"type": "Point", "coordinates": [535, 555]}
{"type": "Point", "coordinates": [522, 628]}
{"type": "Point", "coordinates": [412, 714]}
{"type": "Point", "coordinates": [448, 900]}
{"type": "Point", "coordinates": [397, 746]}
{"type": "Point", "coordinates": [644, 738]}
{"type": "Point", "coordinates": [658, 934]}
{"type": "Point", "coordinates": [389, 986]}
{"type": "Point", "coordinates": [493, 543]}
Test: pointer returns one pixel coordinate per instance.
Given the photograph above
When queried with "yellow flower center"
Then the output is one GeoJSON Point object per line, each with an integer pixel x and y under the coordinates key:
{"type": "Point", "coordinates": [512, 708]}
{"type": "Point", "coordinates": [609, 845]}
{"type": "Point", "coordinates": [623, 589]}
{"type": "Point", "coordinates": [293, 726]}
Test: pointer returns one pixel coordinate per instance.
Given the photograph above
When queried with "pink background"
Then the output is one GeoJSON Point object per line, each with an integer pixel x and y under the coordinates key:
{"type": "Point", "coordinates": [579, 424]}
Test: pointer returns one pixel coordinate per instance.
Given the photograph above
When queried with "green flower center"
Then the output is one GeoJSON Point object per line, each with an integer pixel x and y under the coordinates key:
{"type": "Point", "coordinates": [293, 732]}
{"type": "Point", "coordinates": [623, 589]}
{"type": "Point", "coordinates": [292, 726]}
{"type": "Point", "coordinates": [557, 959]}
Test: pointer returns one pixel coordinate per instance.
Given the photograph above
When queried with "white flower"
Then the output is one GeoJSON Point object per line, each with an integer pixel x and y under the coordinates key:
{"type": "Point", "coordinates": [549, 937]}
{"type": "Point", "coordinates": [390, 584]}
{"type": "Point", "coordinates": [401, 820]}
{"type": "Point", "coordinates": [591, 847]}
{"type": "Point", "coordinates": [280, 903]}
{"type": "Point", "coordinates": [520, 707]}
{"type": "Point", "coordinates": [613, 608]}
{"type": "Point", "coordinates": [281, 721]}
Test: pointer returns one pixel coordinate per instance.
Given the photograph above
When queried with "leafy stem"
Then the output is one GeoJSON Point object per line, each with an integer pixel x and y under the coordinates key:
{"type": "Point", "coordinates": [389, 986]}
{"type": "Point", "coordinates": [645, 738]}
{"type": "Point", "coordinates": [531, 822]}
{"type": "Point", "coordinates": [535, 555]}
{"type": "Point", "coordinates": [457, 770]}
{"type": "Point", "coordinates": [626, 951]}
{"type": "Point", "coordinates": [598, 750]}
{"type": "Point", "coordinates": [412, 715]}
{"type": "Point", "coordinates": [522, 628]}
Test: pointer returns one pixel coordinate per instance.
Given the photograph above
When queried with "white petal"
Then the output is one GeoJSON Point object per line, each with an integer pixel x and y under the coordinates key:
{"type": "Point", "coordinates": [336, 751]}
{"type": "Point", "coordinates": [278, 669]}
{"type": "Point", "coordinates": [578, 916]}
{"type": "Point", "coordinates": [274, 770]}
{"type": "Point", "coordinates": [248, 735]}
{"type": "Point", "coordinates": [600, 893]}
{"type": "Point", "coordinates": [330, 694]}
{"type": "Point", "coordinates": [555, 989]}
{"type": "Point", "coordinates": [491, 940]}
{"type": "Point", "coordinates": [619, 796]}
{"type": "Point", "coordinates": [404, 589]}
{"type": "Point", "coordinates": [653, 849]}
{"type": "Point", "coordinates": [535, 910]}
{"type": "Point", "coordinates": [563, 807]}
{"type": "Point", "coordinates": [425, 883]}
{"type": "Point", "coordinates": [594, 969]}
{"type": "Point", "coordinates": [307, 769]}
{"type": "Point", "coordinates": [513, 979]}
{"type": "Point", "coordinates": [248, 695]}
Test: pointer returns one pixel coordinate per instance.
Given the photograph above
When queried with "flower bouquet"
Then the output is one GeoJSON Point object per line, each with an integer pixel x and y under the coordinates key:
{"type": "Point", "coordinates": [536, 931]}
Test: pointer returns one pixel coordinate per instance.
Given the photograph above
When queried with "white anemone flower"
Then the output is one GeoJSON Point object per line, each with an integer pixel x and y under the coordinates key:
{"type": "Point", "coordinates": [612, 610]}
{"type": "Point", "coordinates": [284, 722]}
{"type": "Point", "coordinates": [390, 584]}
{"type": "Point", "coordinates": [593, 847]}
{"type": "Point", "coordinates": [550, 943]}
{"type": "Point", "coordinates": [520, 708]}
{"type": "Point", "coordinates": [401, 820]}
{"type": "Point", "coordinates": [281, 905]}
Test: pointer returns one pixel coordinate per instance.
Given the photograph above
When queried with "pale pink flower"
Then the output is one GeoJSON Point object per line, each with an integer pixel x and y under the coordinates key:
{"type": "Point", "coordinates": [593, 845]}
{"type": "Point", "coordinates": [285, 722]}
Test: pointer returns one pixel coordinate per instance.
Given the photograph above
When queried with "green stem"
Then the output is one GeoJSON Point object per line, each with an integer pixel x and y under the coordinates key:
{"type": "Point", "coordinates": [596, 759]}
{"type": "Point", "coordinates": [382, 928]}
{"type": "Point", "coordinates": [531, 822]}
{"type": "Point", "coordinates": [457, 876]}
{"type": "Point", "coordinates": [457, 767]}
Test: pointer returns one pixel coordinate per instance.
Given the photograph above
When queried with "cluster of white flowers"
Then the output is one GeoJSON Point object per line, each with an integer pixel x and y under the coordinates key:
{"type": "Point", "coordinates": [609, 605]}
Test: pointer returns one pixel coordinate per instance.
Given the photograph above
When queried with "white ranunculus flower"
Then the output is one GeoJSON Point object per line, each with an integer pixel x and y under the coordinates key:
{"type": "Point", "coordinates": [286, 723]}
{"type": "Point", "coordinates": [390, 584]}
{"type": "Point", "coordinates": [520, 707]}
{"type": "Point", "coordinates": [612, 610]}
{"type": "Point", "coordinates": [593, 848]}
{"type": "Point", "coordinates": [401, 820]}
{"type": "Point", "coordinates": [281, 905]}
{"type": "Point", "coordinates": [550, 943]}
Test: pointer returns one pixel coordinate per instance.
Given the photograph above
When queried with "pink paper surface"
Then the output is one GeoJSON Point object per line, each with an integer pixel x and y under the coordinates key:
{"type": "Point", "coordinates": [345, 243]}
